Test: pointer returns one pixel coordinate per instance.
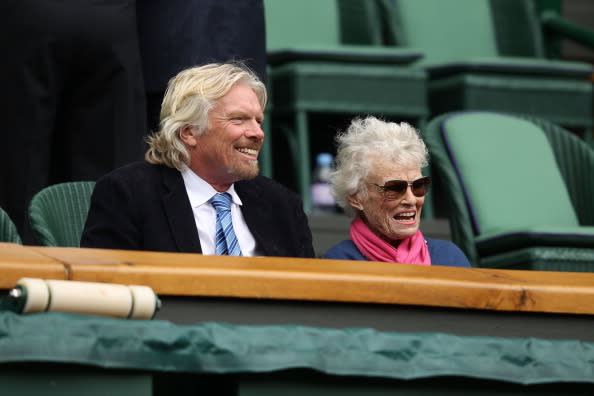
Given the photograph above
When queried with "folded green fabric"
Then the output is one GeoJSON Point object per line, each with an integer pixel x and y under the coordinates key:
{"type": "Point", "coordinates": [224, 348]}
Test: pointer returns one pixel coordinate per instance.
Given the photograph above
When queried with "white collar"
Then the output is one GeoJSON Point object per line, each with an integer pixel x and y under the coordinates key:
{"type": "Point", "coordinates": [200, 191]}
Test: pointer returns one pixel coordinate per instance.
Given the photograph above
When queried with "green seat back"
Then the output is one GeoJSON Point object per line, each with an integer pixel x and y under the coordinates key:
{"type": "Point", "coordinates": [8, 231]}
{"type": "Point", "coordinates": [508, 171]}
{"type": "Point", "coordinates": [314, 31]}
{"type": "Point", "coordinates": [444, 30]}
{"type": "Point", "coordinates": [518, 28]}
{"type": "Point", "coordinates": [291, 23]}
{"type": "Point", "coordinates": [58, 213]}
{"type": "Point", "coordinates": [361, 23]}
{"type": "Point", "coordinates": [575, 158]}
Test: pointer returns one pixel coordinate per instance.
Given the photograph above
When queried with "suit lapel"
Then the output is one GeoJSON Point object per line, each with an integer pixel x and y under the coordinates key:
{"type": "Point", "coordinates": [256, 214]}
{"type": "Point", "coordinates": [179, 212]}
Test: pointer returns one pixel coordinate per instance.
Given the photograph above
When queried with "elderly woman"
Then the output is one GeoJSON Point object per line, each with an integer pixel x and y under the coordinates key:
{"type": "Point", "coordinates": [378, 179]}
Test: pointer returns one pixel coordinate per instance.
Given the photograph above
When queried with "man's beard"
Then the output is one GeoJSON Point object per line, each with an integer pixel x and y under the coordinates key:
{"type": "Point", "coordinates": [245, 172]}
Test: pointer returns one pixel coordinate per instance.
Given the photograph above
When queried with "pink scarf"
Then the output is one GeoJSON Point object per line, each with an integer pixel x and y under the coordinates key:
{"type": "Point", "coordinates": [412, 250]}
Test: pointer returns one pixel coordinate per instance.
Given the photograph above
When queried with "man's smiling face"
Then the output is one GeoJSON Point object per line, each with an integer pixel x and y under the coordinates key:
{"type": "Point", "coordinates": [228, 150]}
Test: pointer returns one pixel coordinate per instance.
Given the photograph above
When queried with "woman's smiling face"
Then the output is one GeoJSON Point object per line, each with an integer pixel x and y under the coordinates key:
{"type": "Point", "coordinates": [391, 220]}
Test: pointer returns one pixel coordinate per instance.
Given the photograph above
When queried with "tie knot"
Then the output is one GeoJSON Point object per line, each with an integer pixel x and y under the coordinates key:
{"type": "Point", "coordinates": [221, 202]}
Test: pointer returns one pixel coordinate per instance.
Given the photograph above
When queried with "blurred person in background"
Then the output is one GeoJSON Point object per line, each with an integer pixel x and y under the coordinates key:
{"type": "Point", "coordinates": [73, 95]}
{"type": "Point", "coordinates": [177, 34]}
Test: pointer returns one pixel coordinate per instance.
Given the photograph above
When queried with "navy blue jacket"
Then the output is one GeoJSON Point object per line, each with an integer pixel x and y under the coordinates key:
{"type": "Point", "coordinates": [441, 252]}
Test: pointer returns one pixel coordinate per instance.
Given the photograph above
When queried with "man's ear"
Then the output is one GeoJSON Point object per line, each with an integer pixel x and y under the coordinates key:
{"type": "Point", "coordinates": [186, 134]}
{"type": "Point", "coordinates": [355, 202]}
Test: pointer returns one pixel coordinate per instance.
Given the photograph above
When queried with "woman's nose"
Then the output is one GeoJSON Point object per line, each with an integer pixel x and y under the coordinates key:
{"type": "Point", "coordinates": [408, 195]}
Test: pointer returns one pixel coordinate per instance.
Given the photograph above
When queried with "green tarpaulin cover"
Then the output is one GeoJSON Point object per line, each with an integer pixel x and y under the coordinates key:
{"type": "Point", "coordinates": [225, 348]}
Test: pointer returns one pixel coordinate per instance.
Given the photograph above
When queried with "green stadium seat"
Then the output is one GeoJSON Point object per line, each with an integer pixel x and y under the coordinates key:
{"type": "Point", "coordinates": [490, 55]}
{"type": "Point", "coordinates": [8, 230]}
{"type": "Point", "coordinates": [518, 190]}
{"type": "Point", "coordinates": [58, 213]}
{"type": "Point", "coordinates": [312, 71]}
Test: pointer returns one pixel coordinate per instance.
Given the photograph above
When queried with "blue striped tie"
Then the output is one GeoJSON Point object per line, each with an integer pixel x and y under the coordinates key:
{"type": "Point", "coordinates": [226, 241]}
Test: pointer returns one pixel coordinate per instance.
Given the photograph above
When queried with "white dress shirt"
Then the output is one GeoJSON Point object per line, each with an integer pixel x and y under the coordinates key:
{"type": "Point", "coordinates": [205, 216]}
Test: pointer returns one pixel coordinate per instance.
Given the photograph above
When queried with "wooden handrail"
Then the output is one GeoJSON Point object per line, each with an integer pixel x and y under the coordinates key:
{"type": "Point", "coordinates": [183, 274]}
{"type": "Point", "coordinates": [17, 261]}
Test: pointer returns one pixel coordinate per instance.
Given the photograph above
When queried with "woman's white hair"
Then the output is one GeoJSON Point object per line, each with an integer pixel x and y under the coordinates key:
{"type": "Point", "coordinates": [190, 96]}
{"type": "Point", "coordinates": [367, 141]}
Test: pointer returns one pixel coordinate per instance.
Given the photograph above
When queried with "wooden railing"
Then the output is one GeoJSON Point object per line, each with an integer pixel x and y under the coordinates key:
{"type": "Point", "coordinates": [182, 274]}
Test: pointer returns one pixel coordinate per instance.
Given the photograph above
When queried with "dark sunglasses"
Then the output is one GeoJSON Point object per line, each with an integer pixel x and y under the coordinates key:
{"type": "Point", "coordinates": [394, 189]}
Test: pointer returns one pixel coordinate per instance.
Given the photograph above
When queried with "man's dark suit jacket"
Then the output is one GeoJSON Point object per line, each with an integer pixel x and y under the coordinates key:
{"type": "Point", "coordinates": [145, 207]}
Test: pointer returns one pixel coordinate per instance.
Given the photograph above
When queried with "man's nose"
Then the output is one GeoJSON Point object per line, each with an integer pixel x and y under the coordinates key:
{"type": "Point", "coordinates": [255, 130]}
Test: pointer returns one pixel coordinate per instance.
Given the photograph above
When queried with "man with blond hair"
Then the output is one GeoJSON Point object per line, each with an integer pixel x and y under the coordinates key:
{"type": "Point", "coordinates": [199, 189]}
